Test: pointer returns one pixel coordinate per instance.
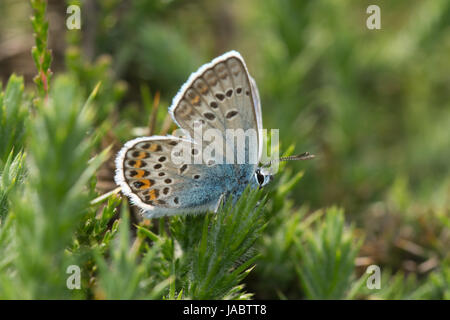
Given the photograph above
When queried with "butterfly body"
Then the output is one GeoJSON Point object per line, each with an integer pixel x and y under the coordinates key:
{"type": "Point", "coordinates": [220, 97]}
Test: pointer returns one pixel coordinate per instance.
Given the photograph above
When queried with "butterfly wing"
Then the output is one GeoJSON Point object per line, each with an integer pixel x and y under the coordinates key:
{"type": "Point", "coordinates": [220, 95]}
{"type": "Point", "coordinates": [149, 176]}
{"type": "Point", "coordinates": [258, 112]}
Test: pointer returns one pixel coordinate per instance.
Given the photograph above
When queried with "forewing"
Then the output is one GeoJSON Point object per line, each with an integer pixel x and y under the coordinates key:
{"type": "Point", "coordinates": [220, 95]}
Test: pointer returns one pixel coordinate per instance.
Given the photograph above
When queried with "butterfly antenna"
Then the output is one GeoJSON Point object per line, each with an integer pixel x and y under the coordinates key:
{"type": "Point", "coordinates": [303, 156]}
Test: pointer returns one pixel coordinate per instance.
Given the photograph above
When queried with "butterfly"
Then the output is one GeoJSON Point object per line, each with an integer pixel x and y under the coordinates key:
{"type": "Point", "coordinates": [221, 96]}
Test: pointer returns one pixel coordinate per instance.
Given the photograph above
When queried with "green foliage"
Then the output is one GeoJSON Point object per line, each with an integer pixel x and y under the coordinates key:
{"type": "Point", "coordinates": [205, 257]}
{"type": "Point", "coordinates": [372, 105]}
{"type": "Point", "coordinates": [91, 74]}
{"type": "Point", "coordinates": [327, 258]}
{"type": "Point", "coordinates": [41, 55]}
{"type": "Point", "coordinates": [439, 287]}
{"type": "Point", "coordinates": [14, 108]}
{"type": "Point", "coordinates": [156, 51]}
{"type": "Point", "coordinates": [127, 275]}
{"type": "Point", "coordinates": [53, 199]}
{"type": "Point", "coordinates": [11, 176]}
{"type": "Point", "coordinates": [366, 101]}
{"type": "Point", "coordinates": [95, 231]}
{"type": "Point", "coordinates": [217, 249]}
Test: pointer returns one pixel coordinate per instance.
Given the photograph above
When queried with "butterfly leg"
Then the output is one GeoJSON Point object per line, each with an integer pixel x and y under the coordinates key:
{"type": "Point", "coordinates": [219, 203]}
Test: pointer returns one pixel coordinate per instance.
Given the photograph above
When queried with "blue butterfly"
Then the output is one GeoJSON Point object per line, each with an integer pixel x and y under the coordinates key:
{"type": "Point", "coordinates": [220, 96]}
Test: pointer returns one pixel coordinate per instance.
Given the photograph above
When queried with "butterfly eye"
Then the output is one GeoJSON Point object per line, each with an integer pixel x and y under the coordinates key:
{"type": "Point", "coordinates": [259, 177]}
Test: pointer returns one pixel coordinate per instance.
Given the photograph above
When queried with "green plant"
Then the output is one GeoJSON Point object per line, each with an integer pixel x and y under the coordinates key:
{"type": "Point", "coordinates": [13, 113]}
{"type": "Point", "coordinates": [14, 108]}
{"type": "Point", "coordinates": [218, 248]}
{"type": "Point", "coordinates": [127, 274]}
{"type": "Point", "coordinates": [53, 199]}
{"type": "Point", "coordinates": [327, 258]}
{"type": "Point", "coordinates": [11, 176]}
{"type": "Point", "coordinates": [41, 54]}
{"type": "Point", "coordinates": [367, 103]}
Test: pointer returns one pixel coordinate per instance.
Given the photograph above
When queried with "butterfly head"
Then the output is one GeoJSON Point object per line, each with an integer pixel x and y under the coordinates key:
{"type": "Point", "coordinates": [264, 175]}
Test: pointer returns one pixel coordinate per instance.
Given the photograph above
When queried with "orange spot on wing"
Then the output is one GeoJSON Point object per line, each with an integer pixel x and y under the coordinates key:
{"type": "Point", "coordinates": [142, 155]}
{"type": "Point", "coordinates": [154, 147]}
{"type": "Point", "coordinates": [140, 174]}
{"type": "Point", "coordinates": [153, 194]}
{"type": "Point", "coordinates": [138, 164]}
{"type": "Point", "coordinates": [195, 100]}
{"type": "Point", "coordinates": [146, 184]}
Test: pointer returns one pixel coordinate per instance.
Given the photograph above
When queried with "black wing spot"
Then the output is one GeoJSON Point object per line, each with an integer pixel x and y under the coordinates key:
{"type": "Point", "coordinates": [209, 116]}
{"type": "Point", "coordinates": [138, 184]}
{"type": "Point", "coordinates": [220, 96]}
{"type": "Point", "coordinates": [231, 114]}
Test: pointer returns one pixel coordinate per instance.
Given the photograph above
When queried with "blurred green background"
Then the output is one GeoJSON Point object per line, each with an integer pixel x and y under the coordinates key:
{"type": "Point", "coordinates": [372, 105]}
